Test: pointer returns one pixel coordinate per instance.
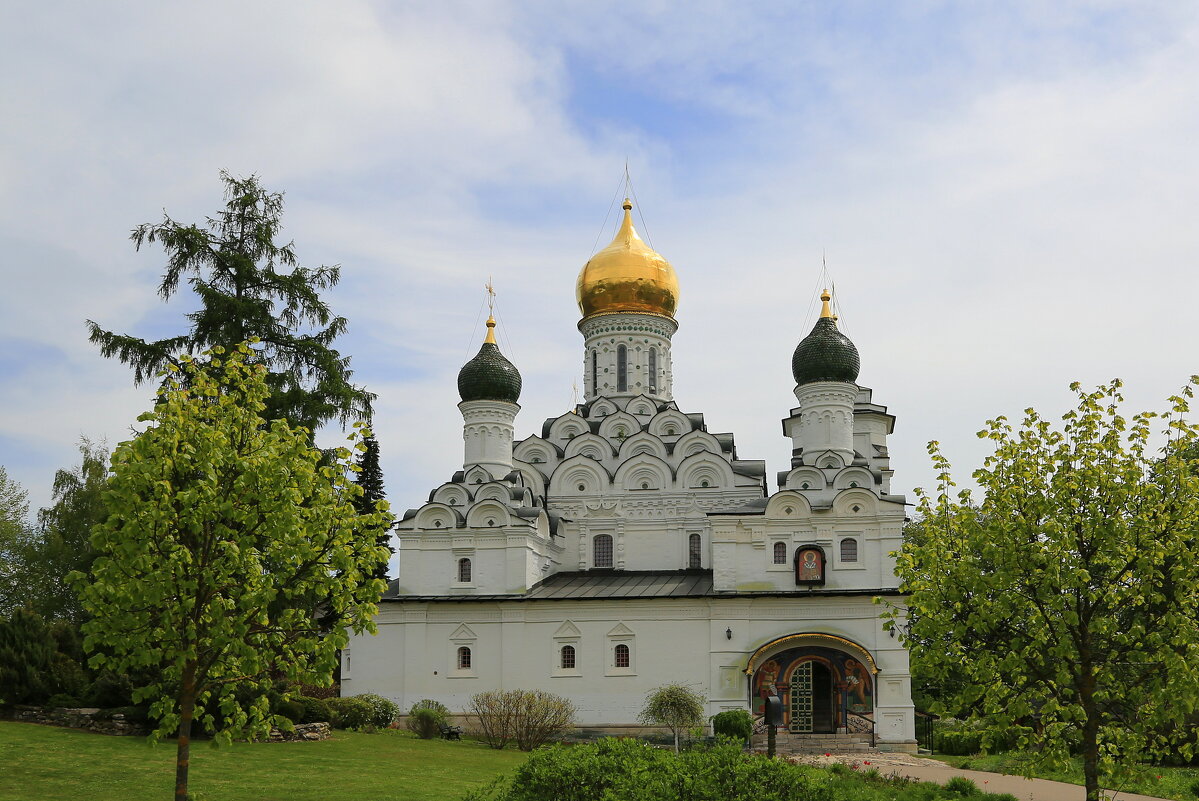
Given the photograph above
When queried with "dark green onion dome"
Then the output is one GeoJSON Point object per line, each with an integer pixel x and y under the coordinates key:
{"type": "Point", "coordinates": [489, 376]}
{"type": "Point", "coordinates": [825, 354]}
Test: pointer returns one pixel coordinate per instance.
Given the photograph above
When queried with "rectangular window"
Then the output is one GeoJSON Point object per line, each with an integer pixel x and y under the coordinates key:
{"type": "Point", "coordinates": [602, 551]}
{"type": "Point", "coordinates": [622, 368]}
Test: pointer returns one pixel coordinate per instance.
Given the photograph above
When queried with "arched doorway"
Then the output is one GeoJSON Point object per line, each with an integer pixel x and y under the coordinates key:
{"type": "Point", "coordinates": [812, 704]}
{"type": "Point", "coordinates": [823, 689]}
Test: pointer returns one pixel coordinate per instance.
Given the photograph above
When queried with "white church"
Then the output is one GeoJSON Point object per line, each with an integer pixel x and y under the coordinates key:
{"type": "Point", "coordinates": [625, 546]}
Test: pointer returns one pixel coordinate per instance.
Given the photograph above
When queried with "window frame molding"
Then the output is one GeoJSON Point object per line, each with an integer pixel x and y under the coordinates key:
{"type": "Point", "coordinates": [620, 635]}
{"type": "Point", "coordinates": [561, 641]}
{"type": "Point", "coordinates": [467, 639]}
{"type": "Point", "coordinates": [860, 562]}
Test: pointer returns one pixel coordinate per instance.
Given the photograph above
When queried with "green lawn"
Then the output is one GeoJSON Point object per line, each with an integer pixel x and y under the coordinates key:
{"type": "Point", "coordinates": [42, 763]}
{"type": "Point", "coordinates": [1162, 782]}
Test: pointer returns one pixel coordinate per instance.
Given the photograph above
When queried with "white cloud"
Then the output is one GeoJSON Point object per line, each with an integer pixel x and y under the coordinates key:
{"type": "Point", "coordinates": [1004, 202]}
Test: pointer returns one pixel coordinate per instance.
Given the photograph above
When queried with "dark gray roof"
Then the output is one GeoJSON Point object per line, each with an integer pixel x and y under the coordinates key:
{"type": "Point", "coordinates": [596, 584]}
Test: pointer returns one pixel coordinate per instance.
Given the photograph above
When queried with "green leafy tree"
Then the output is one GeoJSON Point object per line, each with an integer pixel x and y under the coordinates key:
{"type": "Point", "coordinates": [15, 533]}
{"type": "Point", "coordinates": [675, 706]}
{"type": "Point", "coordinates": [224, 536]}
{"type": "Point", "coordinates": [1068, 596]}
{"type": "Point", "coordinates": [249, 286]}
{"type": "Point", "coordinates": [61, 543]}
{"type": "Point", "coordinates": [370, 478]}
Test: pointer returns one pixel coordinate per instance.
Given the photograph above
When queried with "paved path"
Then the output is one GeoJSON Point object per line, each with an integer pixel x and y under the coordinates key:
{"type": "Point", "coordinates": [931, 770]}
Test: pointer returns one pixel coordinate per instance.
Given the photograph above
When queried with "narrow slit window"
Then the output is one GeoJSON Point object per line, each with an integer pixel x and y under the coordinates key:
{"type": "Point", "coordinates": [464, 658]}
{"type": "Point", "coordinates": [622, 368]}
{"type": "Point", "coordinates": [464, 570]}
{"type": "Point", "coordinates": [620, 656]}
{"type": "Point", "coordinates": [595, 372]}
{"type": "Point", "coordinates": [568, 657]}
{"type": "Point", "coordinates": [653, 370]}
{"type": "Point", "coordinates": [602, 551]}
{"type": "Point", "coordinates": [694, 556]}
{"type": "Point", "coordinates": [780, 553]}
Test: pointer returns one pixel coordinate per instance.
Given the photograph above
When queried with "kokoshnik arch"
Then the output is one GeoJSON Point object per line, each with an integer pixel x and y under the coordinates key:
{"type": "Point", "coordinates": [626, 546]}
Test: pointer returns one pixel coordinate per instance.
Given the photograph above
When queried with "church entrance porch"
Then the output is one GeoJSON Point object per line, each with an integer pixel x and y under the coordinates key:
{"type": "Point", "coordinates": [823, 690]}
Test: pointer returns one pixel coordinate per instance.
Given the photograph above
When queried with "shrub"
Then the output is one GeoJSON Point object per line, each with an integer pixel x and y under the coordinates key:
{"type": "Point", "coordinates": [383, 711]}
{"type": "Point", "coordinates": [349, 713]}
{"type": "Point", "coordinates": [735, 723]}
{"type": "Point", "coordinates": [540, 717]}
{"type": "Point", "coordinates": [313, 710]}
{"type": "Point", "coordinates": [1194, 788]}
{"type": "Point", "coordinates": [62, 701]}
{"type": "Point", "coordinates": [530, 717]}
{"type": "Point", "coordinates": [425, 723]}
{"type": "Point", "coordinates": [491, 712]}
{"type": "Point", "coordinates": [961, 785]}
{"type": "Point", "coordinates": [426, 718]}
{"type": "Point", "coordinates": [109, 689]}
{"type": "Point", "coordinates": [292, 709]}
{"type": "Point", "coordinates": [612, 768]}
{"type": "Point", "coordinates": [675, 706]}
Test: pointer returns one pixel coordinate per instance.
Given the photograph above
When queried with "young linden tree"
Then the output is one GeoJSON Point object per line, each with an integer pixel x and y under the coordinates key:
{"type": "Point", "coordinates": [227, 538]}
{"type": "Point", "coordinates": [1065, 601]}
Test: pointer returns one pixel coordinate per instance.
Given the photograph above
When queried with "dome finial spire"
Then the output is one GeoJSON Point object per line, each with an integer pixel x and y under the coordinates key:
{"type": "Point", "coordinates": [490, 313]}
{"type": "Point", "coordinates": [825, 309]}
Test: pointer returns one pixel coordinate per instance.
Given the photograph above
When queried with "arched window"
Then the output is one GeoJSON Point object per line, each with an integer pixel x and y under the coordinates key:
{"type": "Point", "coordinates": [693, 552]}
{"type": "Point", "coordinates": [595, 372]}
{"type": "Point", "coordinates": [849, 550]}
{"type": "Point", "coordinates": [568, 657]}
{"type": "Point", "coordinates": [620, 656]}
{"type": "Point", "coordinates": [622, 368]}
{"type": "Point", "coordinates": [464, 570]}
{"type": "Point", "coordinates": [653, 370]}
{"type": "Point", "coordinates": [602, 551]}
{"type": "Point", "coordinates": [463, 658]}
{"type": "Point", "coordinates": [780, 553]}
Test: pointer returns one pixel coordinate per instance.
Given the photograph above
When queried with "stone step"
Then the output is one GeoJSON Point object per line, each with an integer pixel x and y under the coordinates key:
{"type": "Point", "coordinates": [786, 742]}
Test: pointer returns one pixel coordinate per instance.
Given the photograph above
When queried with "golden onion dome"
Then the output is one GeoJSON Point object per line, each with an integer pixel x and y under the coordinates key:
{"type": "Point", "coordinates": [627, 276]}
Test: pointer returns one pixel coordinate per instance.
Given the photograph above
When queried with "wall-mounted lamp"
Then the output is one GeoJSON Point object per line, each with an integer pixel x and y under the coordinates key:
{"type": "Point", "coordinates": [728, 633]}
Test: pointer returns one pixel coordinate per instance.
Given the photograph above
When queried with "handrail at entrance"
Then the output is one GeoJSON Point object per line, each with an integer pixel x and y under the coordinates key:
{"type": "Point", "coordinates": [859, 724]}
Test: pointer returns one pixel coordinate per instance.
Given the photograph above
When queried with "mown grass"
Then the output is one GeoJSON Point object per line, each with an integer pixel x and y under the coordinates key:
{"type": "Point", "coordinates": [44, 763]}
{"type": "Point", "coordinates": [1180, 784]}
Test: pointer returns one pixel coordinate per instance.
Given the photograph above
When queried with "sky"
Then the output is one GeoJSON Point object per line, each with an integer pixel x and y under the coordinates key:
{"type": "Point", "coordinates": [1005, 195]}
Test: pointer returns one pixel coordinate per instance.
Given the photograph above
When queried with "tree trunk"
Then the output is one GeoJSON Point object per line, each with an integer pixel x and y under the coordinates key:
{"type": "Point", "coordinates": [187, 707]}
{"type": "Point", "coordinates": [676, 741]}
{"type": "Point", "coordinates": [1090, 735]}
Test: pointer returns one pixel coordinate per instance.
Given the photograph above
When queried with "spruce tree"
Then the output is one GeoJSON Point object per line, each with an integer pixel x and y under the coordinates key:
{"type": "Point", "coordinates": [370, 478]}
{"type": "Point", "coordinates": [250, 286]}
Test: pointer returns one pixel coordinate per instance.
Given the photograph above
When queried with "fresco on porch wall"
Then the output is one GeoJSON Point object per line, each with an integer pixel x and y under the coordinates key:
{"type": "Point", "coordinates": [852, 686]}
